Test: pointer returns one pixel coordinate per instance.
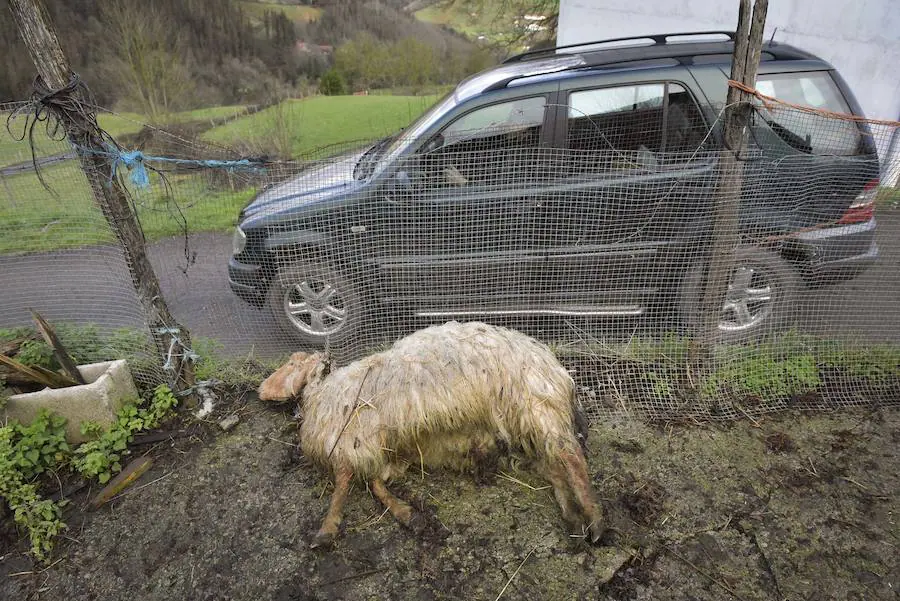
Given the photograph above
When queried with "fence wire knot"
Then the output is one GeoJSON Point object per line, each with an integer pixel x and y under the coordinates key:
{"type": "Point", "coordinates": [186, 354]}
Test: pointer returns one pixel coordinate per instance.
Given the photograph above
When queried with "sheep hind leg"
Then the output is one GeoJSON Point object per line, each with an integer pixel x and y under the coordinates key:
{"type": "Point", "coordinates": [332, 522]}
{"type": "Point", "coordinates": [556, 474]}
{"type": "Point", "coordinates": [576, 468]}
{"type": "Point", "coordinates": [401, 510]}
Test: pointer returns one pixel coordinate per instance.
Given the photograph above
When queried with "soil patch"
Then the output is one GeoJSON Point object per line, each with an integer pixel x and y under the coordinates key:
{"type": "Point", "coordinates": [785, 506]}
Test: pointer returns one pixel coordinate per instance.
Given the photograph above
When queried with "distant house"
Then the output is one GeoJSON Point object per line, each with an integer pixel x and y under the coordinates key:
{"type": "Point", "coordinates": [301, 46]}
{"type": "Point", "coordinates": [861, 39]}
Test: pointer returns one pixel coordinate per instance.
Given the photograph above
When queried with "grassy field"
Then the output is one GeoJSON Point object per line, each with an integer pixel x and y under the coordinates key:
{"type": "Point", "coordinates": [294, 12]}
{"type": "Point", "coordinates": [34, 220]}
{"type": "Point", "coordinates": [302, 126]}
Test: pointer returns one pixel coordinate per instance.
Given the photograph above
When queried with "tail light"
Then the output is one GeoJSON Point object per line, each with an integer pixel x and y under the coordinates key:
{"type": "Point", "coordinates": [863, 207]}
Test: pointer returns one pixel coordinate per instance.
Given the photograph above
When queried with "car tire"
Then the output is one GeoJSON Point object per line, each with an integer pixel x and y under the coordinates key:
{"type": "Point", "coordinates": [315, 304]}
{"type": "Point", "coordinates": [761, 294]}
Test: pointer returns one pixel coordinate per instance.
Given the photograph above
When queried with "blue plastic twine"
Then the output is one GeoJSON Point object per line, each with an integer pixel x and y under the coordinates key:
{"type": "Point", "coordinates": [134, 161]}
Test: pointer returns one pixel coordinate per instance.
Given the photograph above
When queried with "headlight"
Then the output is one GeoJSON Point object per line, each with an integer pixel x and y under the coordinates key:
{"type": "Point", "coordinates": [239, 241]}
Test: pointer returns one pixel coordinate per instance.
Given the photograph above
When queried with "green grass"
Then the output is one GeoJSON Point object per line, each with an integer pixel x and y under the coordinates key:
{"type": "Point", "coordinates": [322, 121]}
{"type": "Point", "coordinates": [294, 12]}
{"type": "Point", "coordinates": [13, 151]}
{"type": "Point", "coordinates": [887, 197]}
{"type": "Point", "coordinates": [31, 219]}
{"type": "Point", "coordinates": [34, 220]}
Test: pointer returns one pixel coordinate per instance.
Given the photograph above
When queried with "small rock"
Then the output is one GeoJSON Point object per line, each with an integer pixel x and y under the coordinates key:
{"type": "Point", "coordinates": [229, 422]}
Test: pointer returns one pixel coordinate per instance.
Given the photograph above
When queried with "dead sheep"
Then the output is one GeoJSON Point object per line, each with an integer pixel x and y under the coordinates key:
{"type": "Point", "coordinates": [441, 397]}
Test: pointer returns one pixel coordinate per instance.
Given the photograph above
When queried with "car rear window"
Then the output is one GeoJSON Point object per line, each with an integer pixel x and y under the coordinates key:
{"type": "Point", "coordinates": [815, 134]}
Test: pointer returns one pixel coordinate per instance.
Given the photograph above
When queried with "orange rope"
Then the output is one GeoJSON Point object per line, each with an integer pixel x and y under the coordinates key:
{"type": "Point", "coordinates": [769, 100]}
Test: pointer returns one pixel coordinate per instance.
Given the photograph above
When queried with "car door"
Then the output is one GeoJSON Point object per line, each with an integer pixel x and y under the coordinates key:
{"type": "Point", "coordinates": [455, 234]}
{"type": "Point", "coordinates": [632, 193]}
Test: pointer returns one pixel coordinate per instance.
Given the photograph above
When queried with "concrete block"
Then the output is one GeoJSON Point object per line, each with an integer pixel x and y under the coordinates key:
{"type": "Point", "coordinates": [109, 387]}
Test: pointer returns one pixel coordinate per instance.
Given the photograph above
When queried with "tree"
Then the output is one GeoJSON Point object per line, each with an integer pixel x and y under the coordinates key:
{"type": "Point", "coordinates": [332, 83]}
{"type": "Point", "coordinates": [145, 61]}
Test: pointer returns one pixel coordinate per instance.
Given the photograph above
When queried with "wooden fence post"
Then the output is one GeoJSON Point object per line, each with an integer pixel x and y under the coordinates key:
{"type": "Point", "coordinates": [725, 233]}
{"type": "Point", "coordinates": [81, 127]}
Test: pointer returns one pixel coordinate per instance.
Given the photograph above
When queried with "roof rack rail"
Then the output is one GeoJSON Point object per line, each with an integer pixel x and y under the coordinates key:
{"type": "Point", "coordinates": [659, 39]}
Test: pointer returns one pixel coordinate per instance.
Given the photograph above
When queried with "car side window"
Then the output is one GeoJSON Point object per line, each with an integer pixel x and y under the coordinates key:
{"type": "Point", "coordinates": [633, 127]}
{"type": "Point", "coordinates": [487, 144]}
{"type": "Point", "coordinates": [809, 133]}
{"type": "Point", "coordinates": [627, 118]}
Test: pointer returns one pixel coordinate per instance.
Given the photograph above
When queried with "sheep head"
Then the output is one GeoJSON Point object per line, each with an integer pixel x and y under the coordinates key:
{"type": "Point", "coordinates": [288, 380]}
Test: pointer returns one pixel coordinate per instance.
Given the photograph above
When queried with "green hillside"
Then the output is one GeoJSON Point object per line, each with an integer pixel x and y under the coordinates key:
{"type": "Point", "coordinates": [298, 13]}
{"type": "Point", "coordinates": [494, 21]}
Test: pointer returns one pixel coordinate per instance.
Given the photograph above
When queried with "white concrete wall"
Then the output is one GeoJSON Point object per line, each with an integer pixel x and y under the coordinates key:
{"type": "Point", "coordinates": [859, 37]}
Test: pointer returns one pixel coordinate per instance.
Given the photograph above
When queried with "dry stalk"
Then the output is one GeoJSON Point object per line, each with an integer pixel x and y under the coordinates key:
{"type": "Point", "coordinates": [515, 480]}
{"type": "Point", "coordinates": [137, 488]}
{"type": "Point", "coordinates": [421, 459]}
{"type": "Point", "coordinates": [756, 424]}
{"type": "Point", "coordinates": [514, 574]}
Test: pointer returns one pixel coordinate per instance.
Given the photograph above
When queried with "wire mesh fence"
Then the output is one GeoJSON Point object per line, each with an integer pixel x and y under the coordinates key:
{"type": "Point", "coordinates": [591, 230]}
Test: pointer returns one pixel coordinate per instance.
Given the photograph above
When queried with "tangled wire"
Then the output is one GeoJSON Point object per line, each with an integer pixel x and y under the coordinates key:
{"type": "Point", "coordinates": [65, 112]}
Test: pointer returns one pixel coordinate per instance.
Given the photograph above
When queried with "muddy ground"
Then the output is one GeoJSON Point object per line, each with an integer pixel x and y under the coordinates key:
{"type": "Point", "coordinates": [790, 506]}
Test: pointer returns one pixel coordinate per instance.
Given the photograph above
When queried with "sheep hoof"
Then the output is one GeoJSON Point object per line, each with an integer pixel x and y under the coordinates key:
{"type": "Point", "coordinates": [597, 534]}
{"type": "Point", "coordinates": [417, 523]}
{"type": "Point", "coordinates": [322, 540]}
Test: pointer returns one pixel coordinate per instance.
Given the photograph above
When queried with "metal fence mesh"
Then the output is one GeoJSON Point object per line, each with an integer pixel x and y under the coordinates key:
{"type": "Point", "coordinates": [596, 240]}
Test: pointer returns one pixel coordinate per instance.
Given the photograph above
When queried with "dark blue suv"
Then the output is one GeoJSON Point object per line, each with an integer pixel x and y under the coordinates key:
{"type": "Point", "coordinates": [577, 181]}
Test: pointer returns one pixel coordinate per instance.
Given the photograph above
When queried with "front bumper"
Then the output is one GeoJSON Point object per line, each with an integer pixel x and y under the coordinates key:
{"type": "Point", "coordinates": [836, 253]}
{"type": "Point", "coordinates": [248, 282]}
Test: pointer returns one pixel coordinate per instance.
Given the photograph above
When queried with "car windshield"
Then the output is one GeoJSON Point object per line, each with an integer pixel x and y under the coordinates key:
{"type": "Point", "coordinates": [401, 141]}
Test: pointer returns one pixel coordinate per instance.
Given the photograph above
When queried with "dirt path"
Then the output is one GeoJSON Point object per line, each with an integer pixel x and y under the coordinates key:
{"type": "Point", "coordinates": [795, 506]}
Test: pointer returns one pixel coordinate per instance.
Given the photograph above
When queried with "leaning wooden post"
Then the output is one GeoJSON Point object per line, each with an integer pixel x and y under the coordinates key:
{"type": "Point", "coordinates": [80, 123]}
{"type": "Point", "coordinates": [725, 232]}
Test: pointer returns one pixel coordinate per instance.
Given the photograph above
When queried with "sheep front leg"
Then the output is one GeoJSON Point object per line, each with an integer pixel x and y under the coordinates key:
{"type": "Point", "coordinates": [329, 530]}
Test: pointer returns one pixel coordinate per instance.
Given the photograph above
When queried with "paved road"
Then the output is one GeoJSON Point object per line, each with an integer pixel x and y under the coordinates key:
{"type": "Point", "coordinates": [93, 285]}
